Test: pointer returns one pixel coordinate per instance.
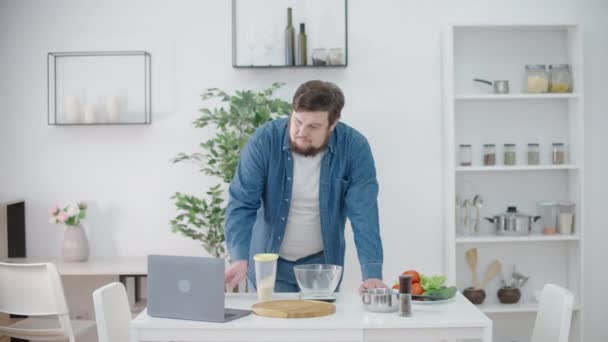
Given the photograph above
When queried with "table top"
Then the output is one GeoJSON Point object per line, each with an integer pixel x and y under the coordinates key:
{"type": "Point", "coordinates": [93, 266]}
{"type": "Point", "coordinates": [350, 314]}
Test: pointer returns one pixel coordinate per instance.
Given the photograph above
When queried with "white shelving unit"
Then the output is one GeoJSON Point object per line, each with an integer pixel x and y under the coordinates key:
{"type": "Point", "coordinates": [473, 115]}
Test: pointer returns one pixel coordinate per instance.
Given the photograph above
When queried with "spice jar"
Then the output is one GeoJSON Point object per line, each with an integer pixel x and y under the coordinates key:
{"type": "Point", "coordinates": [489, 154]}
{"type": "Point", "coordinates": [558, 154]}
{"type": "Point", "coordinates": [510, 157]}
{"type": "Point", "coordinates": [465, 155]}
{"type": "Point", "coordinates": [533, 154]}
{"type": "Point", "coordinates": [560, 80]}
{"type": "Point", "coordinates": [537, 78]}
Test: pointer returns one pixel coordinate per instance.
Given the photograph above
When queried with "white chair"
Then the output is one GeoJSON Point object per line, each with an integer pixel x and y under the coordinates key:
{"type": "Point", "coordinates": [554, 315]}
{"type": "Point", "coordinates": [112, 313]}
{"type": "Point", "coordinates": [35, 290]}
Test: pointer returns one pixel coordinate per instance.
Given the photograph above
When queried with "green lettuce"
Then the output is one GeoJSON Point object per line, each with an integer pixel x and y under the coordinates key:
{"type": "Point", "coordinates": [431, 283]}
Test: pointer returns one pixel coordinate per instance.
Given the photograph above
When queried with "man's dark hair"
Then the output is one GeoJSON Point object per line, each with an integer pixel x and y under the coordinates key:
{"type": "Point", "coordinates": [314, 96]}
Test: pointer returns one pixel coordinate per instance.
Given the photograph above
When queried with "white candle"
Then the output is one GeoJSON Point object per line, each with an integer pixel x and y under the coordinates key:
{"type": "Point", "coordinates": [89, 114]}
{"type": "Point", "coordinates": [72, 109]}
{"type": "Point", "coordinates": [113, 108]}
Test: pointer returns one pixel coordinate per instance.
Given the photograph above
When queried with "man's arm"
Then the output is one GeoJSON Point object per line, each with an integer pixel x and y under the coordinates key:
{"type": "Point", "coordinates": [245, 192]}
{"type": "Point", "coordinates": [361, 204]}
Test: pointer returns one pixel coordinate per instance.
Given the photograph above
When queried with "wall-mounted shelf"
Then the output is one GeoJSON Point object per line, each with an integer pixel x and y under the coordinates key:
{"type": "Point", "coordinates": [488, 97]}
{"type": "Point", "coordinates": [516, 168]}
{"type": "Point", "coordinates": [522, 307]}
{"type": "Point", "coordinates": [258, 33]}
{"type": "Point", "coordinates": [99, 88]}
{"type": "Point", "coordinates": [509, 239]}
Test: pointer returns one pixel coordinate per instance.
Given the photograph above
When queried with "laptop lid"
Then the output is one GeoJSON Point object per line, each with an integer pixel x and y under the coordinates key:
{"type": "Point", "coordinates": [186, 287]}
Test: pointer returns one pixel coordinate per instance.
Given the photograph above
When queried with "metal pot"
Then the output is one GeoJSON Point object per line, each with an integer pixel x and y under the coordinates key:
{"type": "Point", "coordinates": [500, 87]}
{"type": "Point", "coordinates": [512, 222]}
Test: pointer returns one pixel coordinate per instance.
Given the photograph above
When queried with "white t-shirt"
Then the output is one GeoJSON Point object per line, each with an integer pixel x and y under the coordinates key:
{"type": "Point", "coordinates": [303, 231]}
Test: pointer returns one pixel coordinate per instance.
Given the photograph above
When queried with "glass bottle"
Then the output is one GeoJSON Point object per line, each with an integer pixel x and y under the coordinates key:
{"type": "Point", "coordinates": [489, 154]}
{"type": "Point", "coordinates": [558, 154]}
{"type": "Point", "coordinates": [289, 40]}
{"type": "Point", "coordinates": [301, 56]}
{"type": "Point", "coordinates": [560, 79]}
{"type": "Point", "coordinates": [537, 79]}
{"type": "Point", "coordinates": [465, 155]}
{"type": "Point", "coordinates": [533, 154]}
{"type": "Point", "coordinates": [510, 155]}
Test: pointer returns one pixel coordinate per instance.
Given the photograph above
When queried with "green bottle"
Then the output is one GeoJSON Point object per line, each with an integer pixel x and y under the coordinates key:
{"type": "Point", "coordinates": [290, 51]}
{"type": "Point", "coordinates": [301, 56]}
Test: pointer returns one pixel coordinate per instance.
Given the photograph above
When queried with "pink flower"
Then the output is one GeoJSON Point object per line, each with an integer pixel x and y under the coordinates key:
{"type": "Point", "coordinates": [62, 217]}
{"type": "Point", "coordinates": [53, 210]}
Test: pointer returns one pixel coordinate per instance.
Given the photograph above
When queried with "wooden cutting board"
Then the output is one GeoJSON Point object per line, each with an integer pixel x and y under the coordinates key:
{"type": "Point", "coordinates": [293, 308]}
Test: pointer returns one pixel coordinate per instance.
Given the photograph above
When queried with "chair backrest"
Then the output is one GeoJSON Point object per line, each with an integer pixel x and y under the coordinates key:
{"type": "Point", "coordinates": [554, 315]}
{"type": "Point", "coordinates": [33, 290]}
{"type": "Point", "coordinates": [112, 313]}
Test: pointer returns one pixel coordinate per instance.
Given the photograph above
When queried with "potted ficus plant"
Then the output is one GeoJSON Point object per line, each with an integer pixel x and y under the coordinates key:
{"type": "Point", "coordinates": [235, 118]}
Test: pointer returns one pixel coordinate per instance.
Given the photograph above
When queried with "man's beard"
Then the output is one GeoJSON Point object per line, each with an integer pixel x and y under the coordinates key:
{"type": "Point", "coordinates": [310, 151]}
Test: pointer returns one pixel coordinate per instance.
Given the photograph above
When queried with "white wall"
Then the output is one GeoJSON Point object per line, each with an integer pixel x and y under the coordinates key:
{"type": "Point", "coordinates": [393, 95]}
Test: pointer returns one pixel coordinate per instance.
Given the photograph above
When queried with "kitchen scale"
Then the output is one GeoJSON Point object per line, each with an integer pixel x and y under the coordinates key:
{"type": "Point", "coordinates": [330, 298]}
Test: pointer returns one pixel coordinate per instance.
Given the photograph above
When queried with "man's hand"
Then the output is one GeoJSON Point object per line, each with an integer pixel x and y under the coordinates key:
{"type": "Point", "coordinates": [371, 283]}
{"type": "Point", "coordinates": [235, 273]}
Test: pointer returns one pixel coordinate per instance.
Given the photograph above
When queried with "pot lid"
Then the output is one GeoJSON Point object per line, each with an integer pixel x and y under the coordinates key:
{"type": "Point", "coordinates": [512, 211]}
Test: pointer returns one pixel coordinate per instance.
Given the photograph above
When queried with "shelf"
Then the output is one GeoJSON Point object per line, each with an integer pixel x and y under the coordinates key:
{"type": "Point", "coordinates": [288, 66]}
{"type": "Point", "coordinates": [513, 308]}
{"type": "Point", "coordinates": [516, 168]}
{"type": "Point", "coordinates": [485, 97]}
{"type": "Point", "coordinates": [503, 239]}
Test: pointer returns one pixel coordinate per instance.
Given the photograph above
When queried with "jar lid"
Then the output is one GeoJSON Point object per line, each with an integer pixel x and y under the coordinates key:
{"type": "Point", "coordinates": [535, 66]}
{"type": "Point", "coordinates": [558, 144]}
{"type": "Point", "coordinates": [509, 144]}
{"type": "Point", "coordinates": [465, 145]}
{"type": "Point", "coordinates": [533, 144]}
{"type": "Point", "coordinates": [559, 66]}
{"type": "Point", "coordinates": [489, 145]}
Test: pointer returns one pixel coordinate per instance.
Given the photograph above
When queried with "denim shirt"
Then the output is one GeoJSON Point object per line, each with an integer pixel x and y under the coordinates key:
{"type": "Point", "coordinates": [261, 190]}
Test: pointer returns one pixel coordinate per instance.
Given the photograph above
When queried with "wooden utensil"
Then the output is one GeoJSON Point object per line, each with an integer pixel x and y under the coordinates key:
{"type": "Point", "coordinates": [471, 255]}
{"type": "Point", "coordinates": [293, 308]}
{"type": "Point", "coordinates": [494, 268]}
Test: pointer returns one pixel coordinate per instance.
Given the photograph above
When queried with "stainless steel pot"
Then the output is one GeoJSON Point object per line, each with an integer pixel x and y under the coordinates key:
{"type": "Point", "coordinates": [380, 300]}
{"type": "Point", "coordinates": [500, 86]}
{"type": "Point", "coordinates": [513, 222]}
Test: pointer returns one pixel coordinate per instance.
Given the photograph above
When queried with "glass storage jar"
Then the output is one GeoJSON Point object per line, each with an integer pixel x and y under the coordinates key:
{"type": "Point", "coordinates": [537, 79]}
{"type": "Point", "coordinates": [510, 155]}
{"type": "Point", "coordinates": [466, 155]}
{"type": "Point", "coordinates": [559, 78]}
{"type": "Point", "coordinates": [489, 154]}
{"type": "Point", "coordinates": [533, 154]}
{"type": "Point", "coordinates": [558, 154]}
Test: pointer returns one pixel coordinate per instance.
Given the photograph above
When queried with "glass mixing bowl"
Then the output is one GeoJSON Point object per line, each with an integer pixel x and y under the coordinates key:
{"type": "Point", "coordinates": [318, 280]}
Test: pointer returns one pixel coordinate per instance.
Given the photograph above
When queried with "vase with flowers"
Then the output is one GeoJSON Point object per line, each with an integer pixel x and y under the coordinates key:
{"type": "Point", "coordinates": [75, 246]}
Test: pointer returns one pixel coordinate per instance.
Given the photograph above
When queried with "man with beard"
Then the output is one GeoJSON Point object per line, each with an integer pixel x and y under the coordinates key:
{"type": "Point", "coordinates": [297, 181]}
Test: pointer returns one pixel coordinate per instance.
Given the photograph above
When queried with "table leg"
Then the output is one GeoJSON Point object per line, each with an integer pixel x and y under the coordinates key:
{"type": "Point", "coordinates": [487, 334]}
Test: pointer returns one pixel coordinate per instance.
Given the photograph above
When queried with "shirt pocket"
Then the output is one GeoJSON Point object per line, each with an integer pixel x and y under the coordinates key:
{"type": "Point", "coordinates": [340, 188]}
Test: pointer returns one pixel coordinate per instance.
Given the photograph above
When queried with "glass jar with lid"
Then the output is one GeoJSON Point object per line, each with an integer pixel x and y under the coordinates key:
{"type": "Point", "coordinates": [559, 78]}
{"type": "Point", "coordinates": [510, 155]}
{"type": "Point", "coordinates": [537, 79]}
{"type": "Point", "coordinates": [489, 154]}
{"type": "Point", "coordinates": [558, 154]}
{"type": "Point", "coordinates": [533, 154]}
{"type": "Point", "coordinates": [466, 155]}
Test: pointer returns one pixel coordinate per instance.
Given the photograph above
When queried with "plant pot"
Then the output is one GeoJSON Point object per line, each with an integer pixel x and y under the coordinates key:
{"type": "Point", "coordinates": [474, 296]}
{"type": "Point", "coordinates": [75, 246]}
{"type": "Point", "coordinates": [509, 295]}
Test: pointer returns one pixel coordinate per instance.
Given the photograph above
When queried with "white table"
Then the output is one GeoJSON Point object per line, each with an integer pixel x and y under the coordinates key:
{"type": "Point", "coordinates": [451, 321]}
{"type": "Point", "coordinates": [123, 267]}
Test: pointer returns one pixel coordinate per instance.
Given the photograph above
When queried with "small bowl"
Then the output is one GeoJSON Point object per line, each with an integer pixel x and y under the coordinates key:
{"type": "Point", "coordinates": [474, 296]}
{"type": "Point", "coordinates": [509, 295]}
{"type": "Point", "coordinates": [380, 300]}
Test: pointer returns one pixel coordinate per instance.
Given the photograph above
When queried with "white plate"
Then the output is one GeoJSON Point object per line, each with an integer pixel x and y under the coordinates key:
{"type": "Point", "coordinates": [432, 302]}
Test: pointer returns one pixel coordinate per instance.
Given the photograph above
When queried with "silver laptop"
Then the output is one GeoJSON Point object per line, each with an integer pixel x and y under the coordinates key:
{"type": "Point", "coordinates": [188, 288]}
